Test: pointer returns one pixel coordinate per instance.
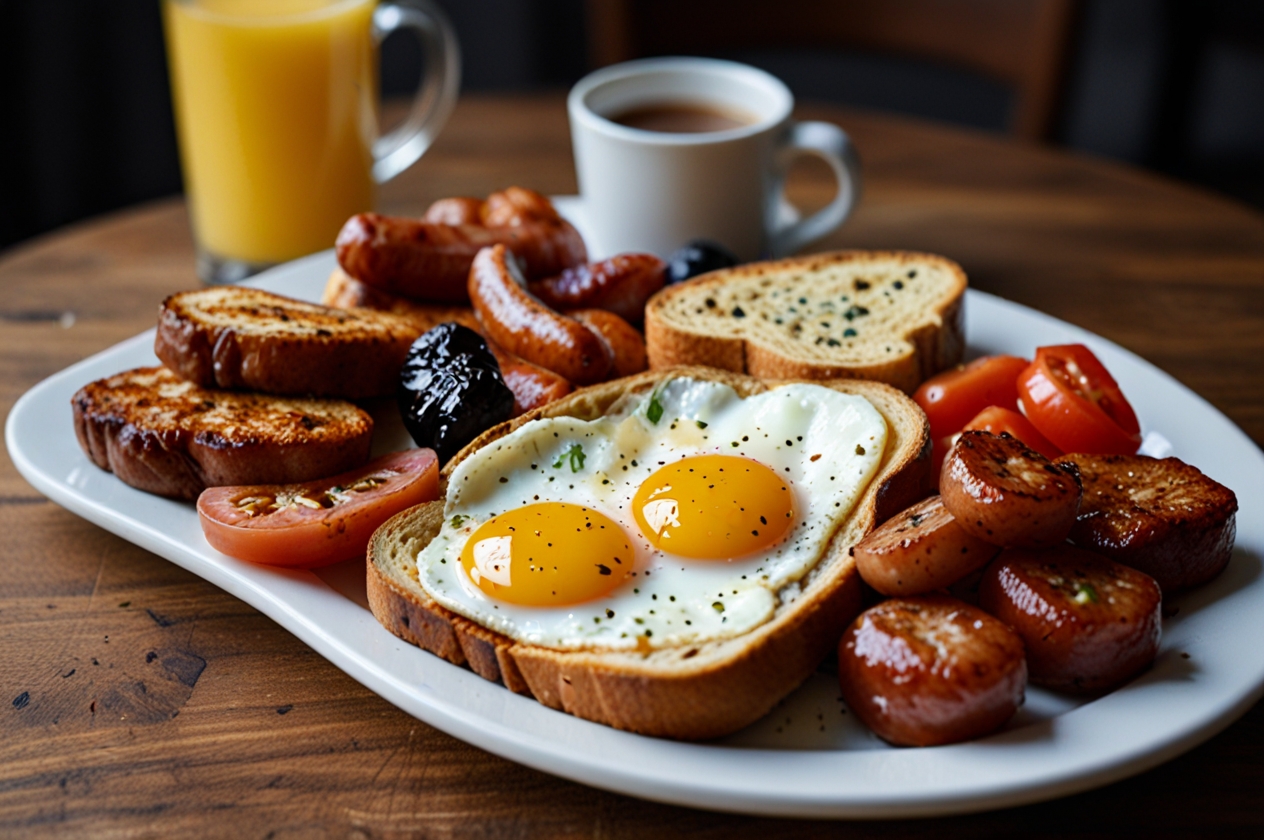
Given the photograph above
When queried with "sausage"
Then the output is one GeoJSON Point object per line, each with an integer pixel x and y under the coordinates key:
{"type": "Point", "coordinates": [525, 327]}
{"type": "Point", "coordinates": [455, 211]}
{"type": "Point", "coordinates": [1089, 624]}
{"type": "Point", "coordinates": [427, 261]}
{"type": "Point", "coordinates": [621, 284]}
{"type": "Point", "coordinates": [1163, 517]}
{"type": "Point", "coordinates": [931, 670]}
{"type": "Point", "coordinates": [517, 206]}
{"type": "Point", "coordinates": [1001, 492]}
{"type": "Point", "coordinates": [627, 345]}
{"type": "Point", "coordinates": [532, 385]}
{"type": "Point", "coordinates": [919, 550]}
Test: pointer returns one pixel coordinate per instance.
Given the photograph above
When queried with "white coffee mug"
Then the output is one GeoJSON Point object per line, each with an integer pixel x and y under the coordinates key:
{"type": "Point", "coordinates": [656, 190]}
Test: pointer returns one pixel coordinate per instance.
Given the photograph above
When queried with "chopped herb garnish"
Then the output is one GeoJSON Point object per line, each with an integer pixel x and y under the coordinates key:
{"type": "Point", "coordinates": [701, 425]}
{"type": "Point", "coordinates": [717, 606]}
{"type": "Point", "coordinates": [1085, 594]}
{"type": "Point", "coordinates": [576, 457]}
{"type": "Point", "coordinates": [458, 521]}
{"type": "Point", "coordinates": [654, 411]}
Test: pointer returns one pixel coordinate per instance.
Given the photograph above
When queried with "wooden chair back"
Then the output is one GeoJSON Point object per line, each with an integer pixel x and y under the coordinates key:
{"type": "Point", "coordinates": [1023, 44]}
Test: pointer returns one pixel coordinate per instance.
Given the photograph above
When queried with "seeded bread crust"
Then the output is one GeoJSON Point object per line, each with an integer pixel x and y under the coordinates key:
{"type": "Point", "coordinates": [246, 339]}
{"type": "Point", "coordinates": [888, 316]}
{"type": "Point", "coordinates": [690, 692]}
{"type": "Point", "coordinates": [165, 435]}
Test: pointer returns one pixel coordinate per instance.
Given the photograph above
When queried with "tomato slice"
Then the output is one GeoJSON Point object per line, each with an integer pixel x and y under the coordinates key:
{"type": "Point", "coordinates": [318, 522]}
{"type": "Point", "coordinates": [996, 420]}
{"type": "Point", "coordinates": [950, 399]}
{"type": "Point", "coordinates": [1071, 398]}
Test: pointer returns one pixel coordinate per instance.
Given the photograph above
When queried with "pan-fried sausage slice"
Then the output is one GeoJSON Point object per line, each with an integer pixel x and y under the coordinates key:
{"type": "Point", "coordinates": [624, 341]}
{"type": "Point", "coordinates": [431, 262]}
{"type": "Point", "coordinates": [919, 550]}
{"type": "Point", "coordinates": [931, 670]}
{"type": "Point", "coordinates": [1089, 624]}
{"type": "Point", "coordinates": [1163, 517]}
{"type": "Point", "coordinates": [1006, 494]}
{"type": "Point", "coordinates": [621, 284]}
{"type": "Point", "coordinates": [525, 327]}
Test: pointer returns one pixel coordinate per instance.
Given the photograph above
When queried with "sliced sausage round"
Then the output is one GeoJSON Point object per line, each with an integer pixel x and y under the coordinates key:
{"type": "Point", "coordinates": [1160, 516]}
{"type": "Point", "coordinates": [1089, 624]}
{"type": "Point", "coordinates": [931, 670]}
{"type": "Point", "coordinates": [919, 550]}
{"type": "Point", "coordinates": [1007, 494]}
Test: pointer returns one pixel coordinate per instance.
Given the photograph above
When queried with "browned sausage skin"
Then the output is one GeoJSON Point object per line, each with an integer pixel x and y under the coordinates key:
{"type": "Point", "coordinates": [431, 262]}
{"type": "Point", "coordinates": [524, 326]}
{"type": "Point", "coordinates": [919, 550]}
{"type": "Point", "coordinates": [517, 206]}
{"type": "Point", "coordinates": [1004, 493]}
{"type": "Point", "coordinates": [532, 385]}
{"type": "Point", "coordinates": [1089, 624]}
{"type": "Point", "coordinates": [1163, 517]}
{"type": "Point", "coordinates": [621, 284]}
{"type": "Point", "coordinates": [460, 210]}
{"type": "Point", "coordinates": [931, 670]}
{"type": "Point", "coordinates": [624, 341]}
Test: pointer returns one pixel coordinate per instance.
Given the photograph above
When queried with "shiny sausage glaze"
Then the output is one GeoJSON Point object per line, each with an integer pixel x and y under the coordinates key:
{"type": "Point", "coordinates": [1089, 624]}
{"type": "Point", "coordinates": [919, 550]}
{"type": "Point", "coordinates": [1006, 494]}
{"type": "Point", "coordinates": [460, 210]}
{"type": "Point", "coordinates": [525, 327]}
{"type": "Point", "coordinates": [621, 284]}
{"type": "Point", "coordinates": [931, 670]}
{"type": "Point", "coordinates": [1163, 517]}
{"type": "Point", "coordinates": [532, 385]}
{"type": "Point", "coordinates": [624, 340]}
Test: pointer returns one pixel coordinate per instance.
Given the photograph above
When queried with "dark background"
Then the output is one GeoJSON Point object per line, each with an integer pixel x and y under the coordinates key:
{"type": "Point", "coordinates": [1172, 85]}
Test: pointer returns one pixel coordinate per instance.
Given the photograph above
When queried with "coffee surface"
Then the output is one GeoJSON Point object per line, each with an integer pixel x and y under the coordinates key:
{"type": "Point", "coordinates": [682, 118]}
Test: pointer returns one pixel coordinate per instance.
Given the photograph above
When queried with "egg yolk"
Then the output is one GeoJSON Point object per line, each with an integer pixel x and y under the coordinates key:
{"type": "Point", "coordinates": [714, 507]}
{"type": "Point", "coordinates": [547, 555]}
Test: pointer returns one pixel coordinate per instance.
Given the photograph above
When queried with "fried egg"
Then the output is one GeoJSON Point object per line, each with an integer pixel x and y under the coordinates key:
{"type": "Point", "coordinates": [682, 516]}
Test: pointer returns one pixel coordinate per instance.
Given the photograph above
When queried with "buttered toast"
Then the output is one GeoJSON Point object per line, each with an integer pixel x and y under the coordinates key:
{"type": "Point", "coordinates": [168, 436]}
{"type": "Point", "coordinates": [247, 339]}
{"type": "Point", "coordinates": [689, 691]}
{"type": "Point", "coordinates": [889, 316]}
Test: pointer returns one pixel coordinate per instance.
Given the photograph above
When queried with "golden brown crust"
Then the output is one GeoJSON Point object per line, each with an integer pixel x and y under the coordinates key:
{"type": "Point", "coordinates": [167, 436]}
{"type": "Point", "coordinates": [721, 335]}
{"type": "Point", "coordinates": [691, 692]}
{"type": "Point", "coordinates": [247, 339]}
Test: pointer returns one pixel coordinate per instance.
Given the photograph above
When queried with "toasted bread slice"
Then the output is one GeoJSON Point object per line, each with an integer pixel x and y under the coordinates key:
{"type": "Point", "coordinates": [241, 338]}
{"type": "Point", "coordinates": [345, 292]}
{"type": "Point", "coordinates": [690, 692]}
{"type": "Point", "coordinates": [889, 316]}
{"type": "Point", "coordinates": [165, 435]}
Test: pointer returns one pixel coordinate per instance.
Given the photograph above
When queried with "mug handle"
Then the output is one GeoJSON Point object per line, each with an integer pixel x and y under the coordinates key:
{"type": "Point", "coordinates": [441, 79]}
{"type": "Point", "coordinates": [831, 143]}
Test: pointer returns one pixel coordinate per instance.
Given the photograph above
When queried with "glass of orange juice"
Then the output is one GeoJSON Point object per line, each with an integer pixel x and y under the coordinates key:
{"type": "Point", "coordinates": [276, 106]}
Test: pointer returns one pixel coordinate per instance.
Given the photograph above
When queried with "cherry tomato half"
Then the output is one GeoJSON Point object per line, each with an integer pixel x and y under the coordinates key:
{"type": "Point", "coordinates": [995, 419]}
{"type": "Point", "coordinates": [950, 399]}
{"type": "Point", "coordinates": [1070, 397]}
{"type": "Point", "coordinates": [318, 522]}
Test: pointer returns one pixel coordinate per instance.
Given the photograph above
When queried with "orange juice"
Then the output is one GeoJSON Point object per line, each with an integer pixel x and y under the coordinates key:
{"type": "Point", "coordinates": [276, 108]}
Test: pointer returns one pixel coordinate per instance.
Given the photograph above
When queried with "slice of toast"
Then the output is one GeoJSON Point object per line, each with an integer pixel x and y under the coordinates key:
{"type": "Point", "coordinates": [889, 316]}
{"type": "Point", "coordinates": [247, 339]}
{"type": "Point", "coordinates": [165, 435]}
{"type": "Point", "coordinates": [345, 292]}
{"type": "Point", "coordinates": [693, 691]}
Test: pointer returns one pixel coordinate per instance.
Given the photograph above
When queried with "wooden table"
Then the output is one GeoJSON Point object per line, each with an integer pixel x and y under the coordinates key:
{"type": "Point", "coordinates": [250, 733]}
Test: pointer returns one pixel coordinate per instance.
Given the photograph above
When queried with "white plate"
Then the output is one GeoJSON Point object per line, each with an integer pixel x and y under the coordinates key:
{"type": "Point", "coordinates": [807, 758]}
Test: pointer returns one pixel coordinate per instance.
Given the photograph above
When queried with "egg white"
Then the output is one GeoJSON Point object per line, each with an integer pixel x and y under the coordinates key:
{"type": "Point", "coordinates": [827, 446]}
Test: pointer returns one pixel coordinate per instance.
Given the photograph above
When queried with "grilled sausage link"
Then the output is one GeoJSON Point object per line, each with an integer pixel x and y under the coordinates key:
{"type": "Point", "coordinates": [1001, 492]}
{"type": "Point", "coordinates": [621, 284]}
{"type": "Point", "coordinates": [455, 211]}
{"type": "Point", "coordinates": [625, 342]}
{"type": "Point", "coordinates": [532, 385]}
{"type": "Point", "coordinates": [526, 327]}
{"type": "Point", "coordinates": [431, 262]}
{"type": "Point", "coordinates": [517, 206]}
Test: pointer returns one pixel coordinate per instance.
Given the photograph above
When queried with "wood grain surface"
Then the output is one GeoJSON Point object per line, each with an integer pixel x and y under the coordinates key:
{"type": "Point", "coordinates": [140, 701]}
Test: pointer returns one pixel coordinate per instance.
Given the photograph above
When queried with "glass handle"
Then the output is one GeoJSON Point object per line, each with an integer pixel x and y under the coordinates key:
{"type": "Point", "coordinates": [440, 81]}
